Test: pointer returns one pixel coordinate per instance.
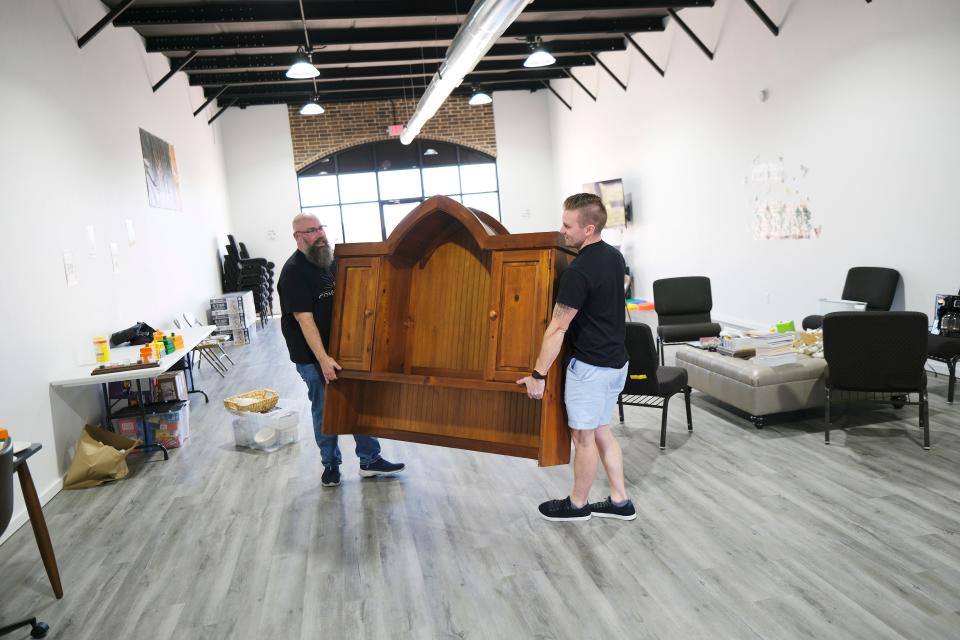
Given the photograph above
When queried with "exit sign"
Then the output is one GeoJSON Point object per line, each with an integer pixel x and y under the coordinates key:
{"type": "Point", "coordinates": [395, 130]}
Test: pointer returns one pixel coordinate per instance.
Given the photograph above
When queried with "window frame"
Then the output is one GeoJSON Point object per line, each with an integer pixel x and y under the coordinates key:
{"type": "Point", "coordinates": [313, 170]}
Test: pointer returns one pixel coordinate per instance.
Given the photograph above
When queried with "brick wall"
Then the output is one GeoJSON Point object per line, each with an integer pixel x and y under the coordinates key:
{"type": "Point", "coordinates": [350, 123]}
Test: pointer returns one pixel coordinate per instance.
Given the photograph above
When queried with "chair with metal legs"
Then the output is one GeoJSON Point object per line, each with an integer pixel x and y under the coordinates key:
{"type": "Point", "coordinates": [38, 629]}
{"type": "Point", "coordinates": [209, 349]}
{"type": "Point", "coordinates": [648, 383]}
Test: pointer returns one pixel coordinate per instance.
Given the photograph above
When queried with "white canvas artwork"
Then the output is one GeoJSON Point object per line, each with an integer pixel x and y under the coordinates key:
{"type": "Point", "coordinates": [779, 207]}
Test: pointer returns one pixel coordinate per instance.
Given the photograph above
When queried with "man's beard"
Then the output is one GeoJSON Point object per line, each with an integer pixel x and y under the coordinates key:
{"type": "Point", "coordinates": [319, 255]}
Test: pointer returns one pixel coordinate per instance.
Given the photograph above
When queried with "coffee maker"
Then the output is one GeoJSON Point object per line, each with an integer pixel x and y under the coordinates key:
{"type": "Point", "coordinates": [946, 316]}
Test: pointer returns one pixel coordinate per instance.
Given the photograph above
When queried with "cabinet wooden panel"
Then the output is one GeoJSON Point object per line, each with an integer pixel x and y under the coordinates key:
{"type": "Point", "coordinates": [434, 326]}
{"type": "Point", "coordinates": [517, 312]}
{"type": "Point", "coordinates": [355, 307]}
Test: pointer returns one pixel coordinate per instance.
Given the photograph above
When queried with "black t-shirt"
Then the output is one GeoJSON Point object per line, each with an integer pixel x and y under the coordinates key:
{"type": "Point", "coordinates": [593, 284]}
{"type": "Point", "coordinates": [303, 286]}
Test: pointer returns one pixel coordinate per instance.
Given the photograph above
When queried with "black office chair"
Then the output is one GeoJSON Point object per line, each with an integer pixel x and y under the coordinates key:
{"type": "Point", "coordinates": [683, 311]}
{"type": "Point", "coordinates": [649, 384]}
{"type": "Point", "coordinates": [874, 285]}
{"type": "Point", "coordinates": [38, 629]}
{"type": "Point", "coordinates": [946, 349]}
{"type": "Point", "coordinates": [874, 353]}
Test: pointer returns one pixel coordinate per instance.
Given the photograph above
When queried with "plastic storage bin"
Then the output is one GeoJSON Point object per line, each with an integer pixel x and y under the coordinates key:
{"type": "Point", "coordinates": [169, 422]}
{"type": "Point", "coordinates": [267, 431]}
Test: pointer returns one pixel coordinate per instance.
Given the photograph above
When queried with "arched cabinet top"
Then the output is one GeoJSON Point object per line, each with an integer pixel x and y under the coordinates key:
{"type": "Point", "coordinates": [436, 219]}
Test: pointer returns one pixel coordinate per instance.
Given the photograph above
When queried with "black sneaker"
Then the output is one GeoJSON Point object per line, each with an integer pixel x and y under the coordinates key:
{"type": "Point", "coordinates": [606, 509]}
{"type": "Point", "coordinates": [381, 467]}
{"type": "Point", "coordinates": [557, 510]}
{"type": "Point", "coordinates": [331, 476]}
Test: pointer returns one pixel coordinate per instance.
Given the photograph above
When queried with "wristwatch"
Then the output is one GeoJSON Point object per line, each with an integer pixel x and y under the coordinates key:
{"type": "Point", "coordinates": [536, 375]}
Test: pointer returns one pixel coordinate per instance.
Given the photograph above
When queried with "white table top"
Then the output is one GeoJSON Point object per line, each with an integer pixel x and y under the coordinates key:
{"type": "Point", "coordinates": [81, 374]}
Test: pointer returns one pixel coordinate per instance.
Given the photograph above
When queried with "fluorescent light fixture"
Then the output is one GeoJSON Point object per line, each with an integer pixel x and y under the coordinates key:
{"type": "Point", "coordinates": [312, 108]}
{"type": "Point", "coordinates": [539, 58]}
{"type": "Point", "coordinates": [302, 67]}
{"type": "Point", "coordinates": [430, 151]}
{"type": "Point", "coordinates": [485, 23]}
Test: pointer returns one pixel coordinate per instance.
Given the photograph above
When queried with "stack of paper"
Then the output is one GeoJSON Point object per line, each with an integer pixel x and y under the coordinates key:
{"type": "Point", "coordinates": [737, 347]}
{"type": "Point", "coordinates": [775, 349]}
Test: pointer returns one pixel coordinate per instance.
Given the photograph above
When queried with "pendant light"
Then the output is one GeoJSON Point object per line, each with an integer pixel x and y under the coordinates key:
{"type": "Point", "coordinates": [302, 67]}
{"type": "Point", "coordinates": [312, 108]}
{"type": "Point", "coordinates": [539, 57]}
{"type": "Point", "coordinates": [479, 97]}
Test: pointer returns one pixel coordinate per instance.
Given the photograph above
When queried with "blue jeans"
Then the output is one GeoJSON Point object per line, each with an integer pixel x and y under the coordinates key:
{"type": "Point", "coordinates": [368, 449]}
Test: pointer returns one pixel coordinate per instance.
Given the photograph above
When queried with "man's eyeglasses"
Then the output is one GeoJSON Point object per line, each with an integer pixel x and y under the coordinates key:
{"type": "Point", "coordinates": [311, 230]}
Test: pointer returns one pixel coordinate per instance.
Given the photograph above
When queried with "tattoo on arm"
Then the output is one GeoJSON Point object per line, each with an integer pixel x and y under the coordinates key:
{"type": "Point", "coordinates": [559, 310]}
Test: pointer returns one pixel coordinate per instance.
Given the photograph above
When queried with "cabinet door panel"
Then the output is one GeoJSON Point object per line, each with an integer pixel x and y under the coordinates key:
{"type": "Point", "coordinates": [352, 334]}
{"type": "Point", "coordinates": [518, 315]}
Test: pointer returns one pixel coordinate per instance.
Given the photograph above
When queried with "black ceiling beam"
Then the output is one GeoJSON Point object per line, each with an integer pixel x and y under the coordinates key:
{"type": "Point", "coordinates": [209, 100]}
{"type": "Point", "coordinates": [353, 10]}
{"type": "Point", "coordinates": [644, 54]}
{"type": "Point", "coordinates": [689, 32]}
{"type": "Point", "coordinates": [378, 95]}
{"type": "Point", "coordinates": [582, 86]}
{"type": "Point", "coordinates": [306, 87]}
{"type": "Point", "coordinates": [111, 16]}
{"type": "Point", "coordinates": [220, 112]}
{"type": "Point", "coordinates": [764, 18]}
{"type": "Point", "coordinates": [409, 54]}
{"type": "Point", "coordinates": [436, 33]}
{"type": "Point", "coordinates": [406, 70]}
{"type": "Point", "coordinates": [181, 63]}
{"type": "Point", "coordinates": [559, 97]}
{"type": "Point", "coordinates": [610, 72]}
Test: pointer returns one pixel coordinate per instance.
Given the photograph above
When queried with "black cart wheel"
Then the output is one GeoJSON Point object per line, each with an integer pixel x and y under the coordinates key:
{"type": "Point", "coordinates": [40, 630]}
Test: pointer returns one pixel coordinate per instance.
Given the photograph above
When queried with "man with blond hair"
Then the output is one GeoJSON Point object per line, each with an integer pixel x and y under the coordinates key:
{"type": "Point", "coordinates": [590, 310]}
{"type": "Point", "coordinates": [306, 287]}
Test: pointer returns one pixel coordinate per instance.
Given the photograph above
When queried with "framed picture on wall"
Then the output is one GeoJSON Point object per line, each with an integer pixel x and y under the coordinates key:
{"type": "Point", "coordinates": [614, 199]}
{"type": "Point", "coordinates": [160, 168]}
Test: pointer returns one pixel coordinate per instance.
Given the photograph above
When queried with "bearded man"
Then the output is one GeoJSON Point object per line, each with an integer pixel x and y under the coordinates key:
{"type": "Point", "coordinates": [306, 287]}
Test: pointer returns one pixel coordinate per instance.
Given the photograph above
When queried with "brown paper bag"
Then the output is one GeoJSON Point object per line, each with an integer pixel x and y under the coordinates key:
{"type": "Point", "coordinates": [101, 456]}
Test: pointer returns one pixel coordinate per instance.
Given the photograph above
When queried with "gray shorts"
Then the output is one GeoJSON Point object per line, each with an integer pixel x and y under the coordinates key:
{"type": "Point", "coordinates": [591, 393]}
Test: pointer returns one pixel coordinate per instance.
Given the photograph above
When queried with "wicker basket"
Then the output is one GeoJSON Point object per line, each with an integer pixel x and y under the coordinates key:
{"type": "Point", "coordinates": [259, 401]}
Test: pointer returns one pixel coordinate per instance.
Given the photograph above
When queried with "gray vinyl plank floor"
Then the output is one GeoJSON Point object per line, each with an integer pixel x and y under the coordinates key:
{"type": "Point", "coordinates": [741, 534]}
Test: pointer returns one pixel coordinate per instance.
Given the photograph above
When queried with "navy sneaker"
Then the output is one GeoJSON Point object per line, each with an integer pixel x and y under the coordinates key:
{"type": "Point", "coordinates": [381, 467]}
{"type": "Point", "coordinates": [559, 510]}
{"type": "Point", "coordinates": [331, 476]}
{"type": "Point", "coordinates": [606, 509]}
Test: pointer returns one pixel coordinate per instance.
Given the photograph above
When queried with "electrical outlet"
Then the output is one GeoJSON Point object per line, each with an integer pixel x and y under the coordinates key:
{"type": "Point", "coordinates": [271, 234]}
{"type": "Point", "coordinates": [766, 297]}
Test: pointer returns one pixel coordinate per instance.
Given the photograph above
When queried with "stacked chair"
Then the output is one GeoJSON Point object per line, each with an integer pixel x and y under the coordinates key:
{"type": "Point", "coordinates": [243, 273]}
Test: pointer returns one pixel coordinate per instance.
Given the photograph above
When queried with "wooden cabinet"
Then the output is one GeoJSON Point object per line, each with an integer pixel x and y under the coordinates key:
{"type": "Point", "coordinates": [519, 297]}
{"type": "Point", "coordinates": [434, 327]}
{"type": "Point", "coordinates": [356, 301]}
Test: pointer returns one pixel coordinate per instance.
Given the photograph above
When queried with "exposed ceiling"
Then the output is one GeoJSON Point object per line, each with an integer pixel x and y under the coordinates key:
{"type": "Point", "coordinates": [371, 49]}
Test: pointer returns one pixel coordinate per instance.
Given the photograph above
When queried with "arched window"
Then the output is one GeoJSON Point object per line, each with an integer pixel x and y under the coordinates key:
{"type": "Point", "coordinates": [360, 194]}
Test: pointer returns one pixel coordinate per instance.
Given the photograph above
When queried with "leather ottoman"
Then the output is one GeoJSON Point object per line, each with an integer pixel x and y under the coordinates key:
{"type": "Point", "coordinates": [755, 388]}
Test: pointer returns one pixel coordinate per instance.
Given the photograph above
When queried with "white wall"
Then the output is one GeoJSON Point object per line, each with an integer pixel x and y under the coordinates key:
{"type": "Point", "coordinates": [262, 182]}
{"type": "Point", "coordinates": [69, 121]}
{"type": "Point", "coordinates": [524, 161]}
{"type": "Point", "coordinates": [864, 95]}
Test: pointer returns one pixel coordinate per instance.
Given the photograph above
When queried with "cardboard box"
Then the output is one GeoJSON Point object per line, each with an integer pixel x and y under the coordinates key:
{"type": "Point", "coordinates": [236, 302]}
{"type": "Point", "coordinates": [171, 386]}
{"type": "Point", "coordinates": [238, 336]}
